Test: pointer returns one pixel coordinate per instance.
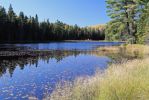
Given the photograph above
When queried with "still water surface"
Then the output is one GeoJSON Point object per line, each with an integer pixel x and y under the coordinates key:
{"type": "Point", "coordinates": [21, 78]}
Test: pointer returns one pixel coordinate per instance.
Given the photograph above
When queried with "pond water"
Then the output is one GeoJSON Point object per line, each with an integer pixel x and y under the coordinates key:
{"type": "Point", "coordinates": [21, 78]}
{"type": "Point", "coordinates": [80, 45]}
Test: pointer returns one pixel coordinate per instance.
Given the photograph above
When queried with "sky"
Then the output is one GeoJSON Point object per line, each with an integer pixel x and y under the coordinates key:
{"type": "Point", "coordinates": [80, 12]}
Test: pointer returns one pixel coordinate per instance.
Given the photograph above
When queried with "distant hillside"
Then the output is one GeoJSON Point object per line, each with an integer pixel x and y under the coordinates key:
{"type": "Point", "coordinates": [98, 27]}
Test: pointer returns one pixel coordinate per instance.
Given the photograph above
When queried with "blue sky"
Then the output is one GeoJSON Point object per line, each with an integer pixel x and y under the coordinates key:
{"type": "Point", "coordinates": [81, 12]}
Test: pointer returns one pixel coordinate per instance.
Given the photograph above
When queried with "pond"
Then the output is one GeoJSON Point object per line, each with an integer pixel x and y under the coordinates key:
{"type": "Point", "coordinates": [24, 77]}
{"type": "Point", "coordinates": [72, 45]}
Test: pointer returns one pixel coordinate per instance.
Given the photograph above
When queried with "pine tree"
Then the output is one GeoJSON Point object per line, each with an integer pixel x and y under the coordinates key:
{"type": "Point", "coordinates": [11, 14]}
{"type": "Point", "coordinates": [122, 13]}
{"type": "Point", "coordinates": [143, 24]}
{"type": "Point", "coordinates": [3, 15]}
{"type": "Point", "coordinates": [20, 28]}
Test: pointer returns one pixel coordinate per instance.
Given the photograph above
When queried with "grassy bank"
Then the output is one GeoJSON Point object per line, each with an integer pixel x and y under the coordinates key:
{"type": "Point", "coordinates": [127, 50]}
{"type": "Point", "coordinates": [125, 81]}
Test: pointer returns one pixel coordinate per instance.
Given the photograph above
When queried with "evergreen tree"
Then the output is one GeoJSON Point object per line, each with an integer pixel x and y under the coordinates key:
{"type": "Point", "coordinates": [129, 20]}
{"type": "Point", "coordinates": [123, 14]}
{"type": "Point", "coordinates": [143, 24]}
{"type": "Point", "coordinates": [11, 14]}
{"type": "Point", "coordinates": [28, 29]}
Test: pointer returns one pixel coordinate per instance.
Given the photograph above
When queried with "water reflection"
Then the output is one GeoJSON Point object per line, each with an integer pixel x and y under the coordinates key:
{"type": "Point", "coordinates": [22, 77]}
{"type": "Point", "coordinates": [71, 45]}
{"type": "Point", "coordinates": [36, 76]}
{"type": "Point", "coordinates": [10, 63]}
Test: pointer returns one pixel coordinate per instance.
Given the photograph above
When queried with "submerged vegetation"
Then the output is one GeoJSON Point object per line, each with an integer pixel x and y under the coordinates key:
{"type": "Point", "coordinates": [121, 81]}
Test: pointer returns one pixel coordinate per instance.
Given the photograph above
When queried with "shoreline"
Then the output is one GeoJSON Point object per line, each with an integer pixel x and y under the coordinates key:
{"type": "Point", "coordinates": [119, 80]}
{"type": "Point", "coordinates": [35, 53]}
{"type": "Point", "coordinates": [24, 53]}
{"type": "Point", "coordinates": [30, 42]}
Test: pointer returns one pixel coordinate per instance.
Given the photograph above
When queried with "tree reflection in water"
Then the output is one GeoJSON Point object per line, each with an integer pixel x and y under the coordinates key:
{"type": "Point", "coordinates": [10, 63]}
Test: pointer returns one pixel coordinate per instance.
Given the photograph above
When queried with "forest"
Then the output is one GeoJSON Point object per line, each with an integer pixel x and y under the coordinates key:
{"type": "Point", "coordinates": [130, 20]}
{"type": "Point", "coordinates": [21, 28]}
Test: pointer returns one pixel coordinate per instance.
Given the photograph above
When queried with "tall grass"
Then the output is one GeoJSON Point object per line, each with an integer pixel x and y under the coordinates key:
{"type": "Point", "coordinates": [125, 81]}
{"type": "Point", "coordinates": [128, 50]}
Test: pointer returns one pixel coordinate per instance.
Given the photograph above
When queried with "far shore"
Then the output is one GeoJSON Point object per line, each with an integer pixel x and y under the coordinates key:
{"type": "Point", "coordinates": [9, 51]}
{"type": "Point", "coordinates": [31, 42]}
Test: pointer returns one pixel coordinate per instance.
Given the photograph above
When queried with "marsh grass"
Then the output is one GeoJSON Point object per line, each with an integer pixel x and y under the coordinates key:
{"type": "Point", "coordinates": [123, 53]}
{"type": "Point", "coordinates": [128, 50]}
{"type": "Point", "coordinates": [125, 81]}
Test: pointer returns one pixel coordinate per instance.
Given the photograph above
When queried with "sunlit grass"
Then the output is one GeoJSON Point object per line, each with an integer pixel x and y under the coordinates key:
{"type": "Point", "coordinates": [128, 50]}
{"type": "Point", "coordinates": [125, 81]}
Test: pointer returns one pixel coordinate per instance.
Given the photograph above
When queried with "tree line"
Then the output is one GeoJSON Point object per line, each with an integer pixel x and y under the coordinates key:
{"type": "Point", "coordinates": [21, 28]}
{"type": "Point", "coordinates": [130, 20]}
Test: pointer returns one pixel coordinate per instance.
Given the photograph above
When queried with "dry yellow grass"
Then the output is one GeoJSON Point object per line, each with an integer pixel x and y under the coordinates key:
{"type": "Point", "coordinates": [125, 81]}
{"type": "Point", "coordinates": [127, 50]}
